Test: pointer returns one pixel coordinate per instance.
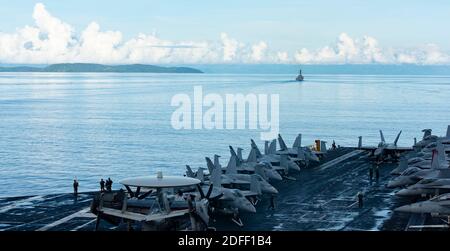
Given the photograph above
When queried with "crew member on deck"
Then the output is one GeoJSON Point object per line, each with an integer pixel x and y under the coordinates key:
{"type": "Point", "coordinates": [377, 173]}
{"type": "Point", "coordinates": [108, 184]}
{"type": "Point", "coordinates": [360, 199]}
{"type": "Point", "coordinates": [102, 185]}
{"type": "Point", "coordinates": [75, 187]}
{"type": "Point", "coordinates": [272, 202]}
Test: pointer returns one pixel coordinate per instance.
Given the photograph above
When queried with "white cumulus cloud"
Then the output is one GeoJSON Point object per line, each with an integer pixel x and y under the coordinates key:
{"type": "Point", "coordinates": [367, 50]}
{"type": "Point", "coordinates": [51, 40]}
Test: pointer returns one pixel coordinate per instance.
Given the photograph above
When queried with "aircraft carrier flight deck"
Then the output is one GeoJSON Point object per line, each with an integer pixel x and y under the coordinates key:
{"type": "Point", "coordinates": [323, 197]}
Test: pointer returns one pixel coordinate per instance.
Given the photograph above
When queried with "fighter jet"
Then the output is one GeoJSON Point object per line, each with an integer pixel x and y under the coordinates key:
{"type": "Point", "coordinates": [232, 177]}
{"type": "Point", "coordinates": [438, 205]}
{"type": "Point", "coordinates": [297, 152]}
{"type": "Point", "coordinates": [421, 163]}
{"type": "Point", "coordinates": [413, 175]}
{"type": "Point", "coordinates": [429, 138]}
{"type": "Point", "coordinates": [425, 187]}
{"type": "Point", "coordinates": [227, 200]}
{"type": "Point", "coordinates": [251, 165]}
{"type": "Point", "coordinates": [384, 149]}
{"type": "Point", "coordinates": [273, 158]}
{"type": "Point", "coordinates": [402, 166]}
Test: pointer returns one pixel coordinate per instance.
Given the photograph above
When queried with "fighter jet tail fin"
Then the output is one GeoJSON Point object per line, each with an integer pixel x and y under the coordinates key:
{"type": "Point", "coordinates": [200, 175]}
{"type": "Point", "coordinates": [441, 152]}
{"type": "Point", "coordinates": [255, 186]}
{"type": "Point", "coordinates": [215, 178]}
{"type": "Point", "coordinates": [360, 142]}
{"type": "Point", "coordinates": [189, 172]}
{"type": "Point", "coordinates": [254, 146]}
{"type": "Point", "coordinates": [448, 132]}
{"type": "Point", "coordinates": [209, 164]}
{"type": "Point", "coordinates": [382, 136]}
{"type": "Point", "coordinates": [231, 167]}
{"type": "Point", "coordinates": [233, 153]}
{"type": "Point", "coordinates": [239, 155]}
{"type": "Point", "coordinates": [284, 161]}
{"type": "Point", "coordinates": [301, 153]}
{"type": "Point", "coordinates": [396, 139]}
{"type": "Point", "coordinates": [216, 161]}
{"type": "Point", "coordinates": [283, 145]}
{"type": "Point", "coordinates": [435, 160]}
{"type": "Point", "coordinates": [252, 156]}
{"type": "Point", "coordinates": [298, 141]}
{"type": "Point", "coordinates": [273, 147]}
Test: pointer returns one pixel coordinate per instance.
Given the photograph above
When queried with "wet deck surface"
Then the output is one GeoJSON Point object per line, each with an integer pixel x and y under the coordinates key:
{"type": "Point", "coordinates": [322, 198]}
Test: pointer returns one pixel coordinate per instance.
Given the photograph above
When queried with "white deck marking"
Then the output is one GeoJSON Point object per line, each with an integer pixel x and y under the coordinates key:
{"type": "Point", "coordinates": [417, 220]}
{"type": "Point", "coordinates": [340, 159]}
{"type": "Point", "coordinates": [81, 213]}
{"type": "Point", "coordinates": [428, 226]}
{"type": "Point", "coordinates": [85, 224]}
{"type": "Point", "coordinates": [18, 203]}
{"type": "Point", "coordinates": [27, 202]}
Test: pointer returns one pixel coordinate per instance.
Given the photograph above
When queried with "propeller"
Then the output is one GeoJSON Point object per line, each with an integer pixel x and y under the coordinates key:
{"type": "Point", "coordinates": [200, 190]}
{"type": "Point", "coordinates": [208, 194]}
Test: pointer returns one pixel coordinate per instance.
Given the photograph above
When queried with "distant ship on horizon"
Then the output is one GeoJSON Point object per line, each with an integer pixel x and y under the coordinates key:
{"type": "Point", "coordinates": [300, 76]}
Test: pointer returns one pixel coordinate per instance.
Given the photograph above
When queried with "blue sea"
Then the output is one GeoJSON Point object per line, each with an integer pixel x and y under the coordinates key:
{"type": "Point", "coordinates": [55, 127]}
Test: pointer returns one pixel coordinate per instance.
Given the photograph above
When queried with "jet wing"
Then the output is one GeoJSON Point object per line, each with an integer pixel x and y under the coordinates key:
{"type": "Point", "coordinates": [246, 168]}
{"type": "Point", "coordinates": [398, 148]}
{"type": "Point", "coordinates": [234, 181]}
{"type": "Point", "coordinates": [298, 159]}
{"type": "Point", "coordinates": [239, 182]}
{"type": "Point", "coordinates": [270, 159]}
{"type": "Point", "coordinates": [368, 148]}
{"type": "Point", "coordinates": [248, 193]}
{"type": "Point", "coordinates": [287, 151]}
{"type": "Point", "coordinates": [439, 186]}
{"type": "Point", "coordinates": [278, 168]}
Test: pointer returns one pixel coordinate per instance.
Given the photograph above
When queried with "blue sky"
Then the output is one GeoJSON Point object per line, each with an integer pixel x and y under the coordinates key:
{"type": "Point", "coordinates": [285, 26]}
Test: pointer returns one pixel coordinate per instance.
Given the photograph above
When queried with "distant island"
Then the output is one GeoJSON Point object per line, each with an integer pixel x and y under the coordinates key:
{"type": "Point", "coordinates": [79, 67]}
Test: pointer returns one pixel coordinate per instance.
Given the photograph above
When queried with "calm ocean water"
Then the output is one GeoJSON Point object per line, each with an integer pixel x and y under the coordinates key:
{"type": "Point", "coordinates": [55, 126]}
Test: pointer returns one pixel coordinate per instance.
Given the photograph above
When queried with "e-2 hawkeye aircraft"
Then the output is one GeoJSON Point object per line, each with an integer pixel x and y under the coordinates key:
{"type": "Point", "coordinates": [151, 203]}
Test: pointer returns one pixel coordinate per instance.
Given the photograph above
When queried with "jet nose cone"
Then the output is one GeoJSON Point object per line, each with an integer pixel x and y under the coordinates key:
{"type": "Point", "coordinates": [277, 177]}
{"type": "Point", "coordinates": [294, 166]}
{"type": "Point", "coordinates": [248, 207]}
{"type": "Point", "coordinates": [404, 209]}
{"type": "Point", "coordinates": [395, 183]}
{"type": "Point", "coordinates": [269, 189]}
{"type": "Point", "coordinates": [274, 175]}
{"type": "Point", "coordinates": [403, 192]}
{"type": "Point", "coordinates": [391, 184]}
{"type": "Point", "coordinates": [274, 190]}
{"type": "Point", "coordinates": [245, 206]}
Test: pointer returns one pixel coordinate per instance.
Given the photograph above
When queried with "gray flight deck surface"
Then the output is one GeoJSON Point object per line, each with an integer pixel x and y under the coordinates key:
{"type": "Point", "coordinates": [322, 198]}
